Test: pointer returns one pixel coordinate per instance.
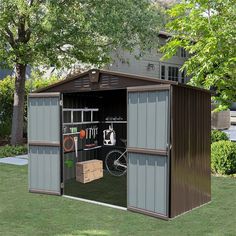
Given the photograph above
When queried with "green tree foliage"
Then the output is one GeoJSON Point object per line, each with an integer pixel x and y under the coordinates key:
{"type": "Point", "coordinates": [60, 32]}
{"type": "Point", "coordinates": [206, 29]}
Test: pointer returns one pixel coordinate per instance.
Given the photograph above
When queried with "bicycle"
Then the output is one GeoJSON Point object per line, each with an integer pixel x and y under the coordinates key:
{"type": "Point", "coordinates": [116, 161]}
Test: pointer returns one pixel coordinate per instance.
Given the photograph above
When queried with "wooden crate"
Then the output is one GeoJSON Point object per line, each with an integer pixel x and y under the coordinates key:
{"type": "Point", "coordinates": [88, 171]}
{"type": "Point", "coordinates": [89, 176]}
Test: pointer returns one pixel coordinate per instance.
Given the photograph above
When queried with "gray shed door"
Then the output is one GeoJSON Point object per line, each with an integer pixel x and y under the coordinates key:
{"type": "Point", "coordinates": [148, 139]}
{"type": "Point", "coordinates": [44, 143]}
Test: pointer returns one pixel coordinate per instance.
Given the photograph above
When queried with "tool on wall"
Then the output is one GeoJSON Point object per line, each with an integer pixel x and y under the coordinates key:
{"type": "Point", "coordinates": [82, 134]}
{"type": "Point", "coordinates": [70, 141]}
{"type": "Point", "coordinates": [76, 146]}
{"type": "Point", "coordinates": [91, 133]}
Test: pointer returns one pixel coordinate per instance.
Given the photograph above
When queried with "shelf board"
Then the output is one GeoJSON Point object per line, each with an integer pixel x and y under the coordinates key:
{"type": "Point", "coordinates": [92, 148]}
{"type": "Point", "coordinates": [115, 121]}
{"type": "Point", "coordinates": [71, 133]}
{"type": "Point", "coordinates": [80, 109]}
{"type": "Point", "coordinates": [82, 123]}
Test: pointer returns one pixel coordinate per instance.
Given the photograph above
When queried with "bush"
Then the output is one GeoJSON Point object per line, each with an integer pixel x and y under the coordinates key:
{"type": "Point", "coordinates": [6, 105]}
{"type": "Point", "coordinates": [223, 157]}
{"type": "Point", "coordinates": [217, 135]}
{"type": "Point", "coordinates": [9, 151]}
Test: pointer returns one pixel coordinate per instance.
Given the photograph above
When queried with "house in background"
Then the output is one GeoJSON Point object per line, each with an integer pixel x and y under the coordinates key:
{"type": "Point", "coordinates": [149, 64]}
{"type": "Point", "coordinates": [5, 72]}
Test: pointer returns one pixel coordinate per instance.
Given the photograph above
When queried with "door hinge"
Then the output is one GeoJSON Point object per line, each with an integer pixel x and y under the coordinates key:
{"type": "Point", "coordinates": [61, 103]}
{"type": "Point", "coordinates": [62, 185]}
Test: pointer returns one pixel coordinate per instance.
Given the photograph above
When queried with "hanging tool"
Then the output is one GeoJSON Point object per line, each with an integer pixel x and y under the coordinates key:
{"type": "Point", "coordinates": [68, 143]}
{"type": "Point", "coordinates": [76, 146]}
{"type": "Point", "coordinates": [94, 135]}
{"type": "Point", "coordinates": [82, 134]}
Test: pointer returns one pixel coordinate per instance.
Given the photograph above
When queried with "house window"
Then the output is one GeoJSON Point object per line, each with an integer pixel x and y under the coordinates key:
{"type": "Point", "coordinates": [173, 73]}
{"type": "Point", "coordinates": [183, 53]}
{"type": "Point", "coordinates": [163, 72]}
{"type": "Point", "coordinates": [183, 77]}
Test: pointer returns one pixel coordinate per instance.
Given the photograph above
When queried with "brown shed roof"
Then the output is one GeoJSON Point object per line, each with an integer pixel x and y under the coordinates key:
{"type": "Point", "coordinates": [96, 79]}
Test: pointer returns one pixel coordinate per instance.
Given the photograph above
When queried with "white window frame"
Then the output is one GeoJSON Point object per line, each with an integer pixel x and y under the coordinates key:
{"type": "Point", "coordinates": [167, 65]}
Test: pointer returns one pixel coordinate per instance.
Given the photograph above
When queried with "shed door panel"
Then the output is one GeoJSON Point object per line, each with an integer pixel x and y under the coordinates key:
{"type": "Point", "coordinates": [44, 119]}
{"type": "Point", "coordinates": [44, 169]}
{"type": "Point", "coordinates": [44, 143]}
{"type": "Point", "coordinates": [147, 182]}
{"type": "Point", "coordinates": [148, 119]}
{"type": "Point", "coordinates": [148, 146]}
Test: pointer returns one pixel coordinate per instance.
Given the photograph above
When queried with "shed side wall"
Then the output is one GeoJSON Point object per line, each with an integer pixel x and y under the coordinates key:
{"type": "Point", "coordinates": [190, 154]}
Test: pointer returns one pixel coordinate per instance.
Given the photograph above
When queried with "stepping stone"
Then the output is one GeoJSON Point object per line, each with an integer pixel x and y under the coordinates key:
{"type": "Point", "coordinates": [22, 156]}
{"type": "Point", "coordinates": [14, 161]}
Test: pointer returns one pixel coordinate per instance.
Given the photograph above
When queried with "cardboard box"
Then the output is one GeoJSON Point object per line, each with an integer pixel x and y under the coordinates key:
{"type": "Point", "coordinates": [88, 171]}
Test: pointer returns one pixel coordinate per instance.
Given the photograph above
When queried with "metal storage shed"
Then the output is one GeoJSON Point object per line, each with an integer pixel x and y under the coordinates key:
{"type": "Point", "coordinates": [167, 130]}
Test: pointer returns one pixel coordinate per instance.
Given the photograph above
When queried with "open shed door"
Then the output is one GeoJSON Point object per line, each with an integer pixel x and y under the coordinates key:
{"type": "Point", "coordinates": [148, 149]}
{"type": "Point", "coordinates": [44, 143]}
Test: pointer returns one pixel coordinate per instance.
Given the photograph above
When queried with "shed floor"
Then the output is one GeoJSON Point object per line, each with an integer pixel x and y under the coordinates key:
{"type": "Point", "coordinates": [109, 189]}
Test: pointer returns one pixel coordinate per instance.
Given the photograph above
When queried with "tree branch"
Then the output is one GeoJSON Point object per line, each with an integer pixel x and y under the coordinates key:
{"type": "Point", "coordinates": [10, 37]}
{"type": "Point", "coordinates": [27, 35]}
{"type": "Point", "coordinates": [31, 2]}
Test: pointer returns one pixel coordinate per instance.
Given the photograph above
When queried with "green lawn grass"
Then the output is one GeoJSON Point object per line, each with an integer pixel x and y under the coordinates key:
{"type": "Point", "coordinates": [23, 213]}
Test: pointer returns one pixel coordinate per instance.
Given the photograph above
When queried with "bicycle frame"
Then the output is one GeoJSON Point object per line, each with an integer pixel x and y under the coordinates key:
{"type": "Point", "coordinates": [117, 161]}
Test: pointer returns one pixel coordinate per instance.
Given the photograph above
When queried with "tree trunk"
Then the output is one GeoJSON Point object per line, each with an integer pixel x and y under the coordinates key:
{"type": "Point", "coordinates": [18, 107]}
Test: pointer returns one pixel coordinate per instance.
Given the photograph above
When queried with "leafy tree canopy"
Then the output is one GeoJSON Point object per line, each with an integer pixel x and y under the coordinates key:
{"type": "Point", "coordinates": [60, 32]}
{"type": "Point", "coordinates": [206, 29]}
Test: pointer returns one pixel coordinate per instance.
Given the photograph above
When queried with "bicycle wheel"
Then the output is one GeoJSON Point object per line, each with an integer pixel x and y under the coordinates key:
{"type": "Point", "coordinates": [115, 164]}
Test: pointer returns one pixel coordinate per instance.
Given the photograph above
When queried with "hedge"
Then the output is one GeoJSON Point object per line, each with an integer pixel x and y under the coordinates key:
{"type": "Point", "coordinates": [10, 151]}
{"type": "Point", "coordinates": [223, 157]}
{"type": "Point", "coordinates": [217, 135]}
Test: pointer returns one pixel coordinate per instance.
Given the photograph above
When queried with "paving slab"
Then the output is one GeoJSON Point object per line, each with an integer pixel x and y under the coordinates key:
{"type": "Point", "coordinates": [231, 132]}
{"type": "Point", "coordinates": [14, 161]}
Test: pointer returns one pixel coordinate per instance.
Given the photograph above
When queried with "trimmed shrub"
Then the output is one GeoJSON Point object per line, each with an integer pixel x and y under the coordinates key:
{"type": "Point", "coordinates": [223, 157]}
{"type": "Point", "coordinates": [9, 151]}
{"type": "Point", "coordinates": [217, 135]}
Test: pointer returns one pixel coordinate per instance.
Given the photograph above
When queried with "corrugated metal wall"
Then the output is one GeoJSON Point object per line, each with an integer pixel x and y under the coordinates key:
{"type": "Point", "coordinates": [148, 119]}
{"type": "Point", "coordinates": [190, 154]}
{"type": "Point", "coordinates": [147, 182]}
{"type": "Point", "coordinates": [44, 143]}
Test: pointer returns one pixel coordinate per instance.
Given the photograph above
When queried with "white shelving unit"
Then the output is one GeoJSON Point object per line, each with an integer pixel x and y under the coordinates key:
{"type": "Point", "coordinates": [82, 114]}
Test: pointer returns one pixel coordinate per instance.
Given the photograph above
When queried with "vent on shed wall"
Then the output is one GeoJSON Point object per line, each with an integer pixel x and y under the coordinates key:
{"type": "Point", "coordinates": [108, 81]}
{"type": "Point", "coordinates": [82, 83]}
